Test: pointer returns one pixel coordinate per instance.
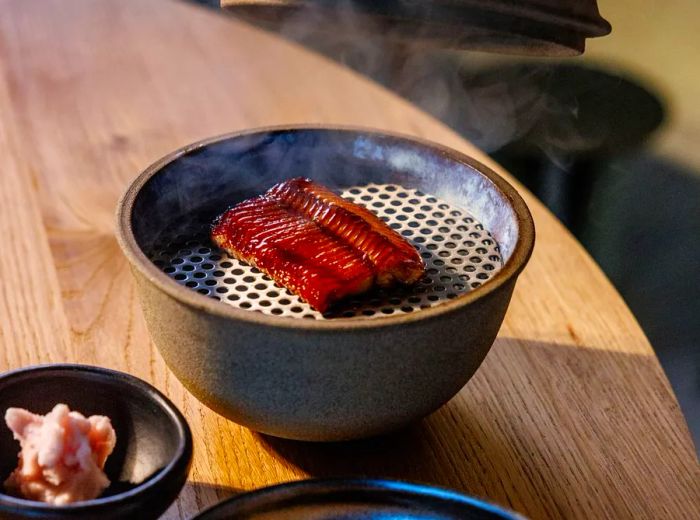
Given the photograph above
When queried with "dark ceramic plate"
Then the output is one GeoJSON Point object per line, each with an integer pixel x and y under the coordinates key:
{"type": "Point", "coordinates": [150, 462]}
{"type": "Point", "coordinates": [355, 499]}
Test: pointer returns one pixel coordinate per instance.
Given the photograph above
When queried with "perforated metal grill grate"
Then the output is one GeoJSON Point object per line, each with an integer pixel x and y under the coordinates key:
{"type": "Point", "coordinates": [459, 255]}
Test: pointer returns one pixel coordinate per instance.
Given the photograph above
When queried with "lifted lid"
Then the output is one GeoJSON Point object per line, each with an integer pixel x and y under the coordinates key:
{"type": "Point", "coordinates": [527, 27]}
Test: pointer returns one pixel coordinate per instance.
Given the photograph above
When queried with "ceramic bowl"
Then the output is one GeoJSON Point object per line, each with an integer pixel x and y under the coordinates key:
{"type": "Point", "coordinates": [152, 456]}
{"type": "Point", "coordinates": [317, 379]}
{"type": "Point", "coordinates": [355, 499]}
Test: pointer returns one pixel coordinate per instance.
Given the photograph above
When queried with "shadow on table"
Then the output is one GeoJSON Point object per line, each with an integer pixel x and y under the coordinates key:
{"type": "Point", "coordinates": [503, 448]}
{"type": "Point", "coordinates": [206, 495]}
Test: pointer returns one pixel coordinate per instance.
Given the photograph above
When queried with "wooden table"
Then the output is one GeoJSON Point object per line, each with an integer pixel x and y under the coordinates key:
{"type": "Point", "coordinates": [570, 415]}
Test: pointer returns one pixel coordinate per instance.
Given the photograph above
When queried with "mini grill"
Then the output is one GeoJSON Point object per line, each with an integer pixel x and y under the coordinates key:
{"type": "Point", "coordinates": [459, 253]}
{"type": "Point", "coordinates": [258, 354]}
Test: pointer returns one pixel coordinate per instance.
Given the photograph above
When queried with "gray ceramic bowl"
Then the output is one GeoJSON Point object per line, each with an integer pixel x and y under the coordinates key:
{"type": "Point", "coordinates": [330, 379]}
{"type": "Point", "coordinates": [150, 461]}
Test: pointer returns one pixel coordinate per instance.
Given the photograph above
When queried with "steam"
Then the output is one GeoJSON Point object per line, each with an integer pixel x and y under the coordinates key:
{"type": "Point", "coordinates": [491, 100]}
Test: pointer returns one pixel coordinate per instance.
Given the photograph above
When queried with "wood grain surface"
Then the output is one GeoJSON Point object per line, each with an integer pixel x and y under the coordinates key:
{"type": "Point", "coordinates": [570, 415]}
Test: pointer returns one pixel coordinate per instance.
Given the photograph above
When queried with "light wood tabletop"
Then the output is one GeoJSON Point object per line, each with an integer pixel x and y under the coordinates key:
{"type": "Point", "coordinates": [570, 416]}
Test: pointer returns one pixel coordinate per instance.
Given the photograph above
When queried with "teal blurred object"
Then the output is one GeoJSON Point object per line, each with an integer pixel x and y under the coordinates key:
{"type": "Point", "coordinates": [355, 499]}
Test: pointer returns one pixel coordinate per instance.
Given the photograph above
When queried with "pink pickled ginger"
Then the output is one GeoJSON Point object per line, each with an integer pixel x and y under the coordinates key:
{"type": "Point", "coordinates": [62, 455]}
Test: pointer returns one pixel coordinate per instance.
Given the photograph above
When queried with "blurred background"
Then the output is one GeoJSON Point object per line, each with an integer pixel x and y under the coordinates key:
{"type": "Point", "coordinates": [609, 141]}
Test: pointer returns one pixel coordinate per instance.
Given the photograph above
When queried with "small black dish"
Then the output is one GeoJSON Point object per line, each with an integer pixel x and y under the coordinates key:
{"type": "Point", "coordinates": [354, 499]}
{"type": "Point", "coordinates": [152, 456]}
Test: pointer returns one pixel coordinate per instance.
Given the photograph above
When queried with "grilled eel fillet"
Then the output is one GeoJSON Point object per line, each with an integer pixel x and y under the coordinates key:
{"type": "Point", "coordinates": [315, 243]}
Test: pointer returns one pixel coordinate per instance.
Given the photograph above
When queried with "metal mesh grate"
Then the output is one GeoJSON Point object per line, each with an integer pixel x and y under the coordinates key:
{"type": "Point", "coordinates": [459, 255]}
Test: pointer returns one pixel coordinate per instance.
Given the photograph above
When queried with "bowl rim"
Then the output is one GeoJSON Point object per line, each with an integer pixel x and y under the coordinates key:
{"type": "Point", "coordinates": [181, 458]}
{"type": "Point", "coordinates": [333, 484]}
{"type": "Point", "coordinates": [138, 259]}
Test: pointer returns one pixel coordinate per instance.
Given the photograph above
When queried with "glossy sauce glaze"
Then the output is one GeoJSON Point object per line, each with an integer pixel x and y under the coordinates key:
{"type": "Point", "coordinates": [394, 259]}
{"type": "Point", "coordinates": [315, 243]}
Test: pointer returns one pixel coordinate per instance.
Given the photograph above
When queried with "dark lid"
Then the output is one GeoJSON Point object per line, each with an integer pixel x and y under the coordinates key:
{"type": "Point", "coordinates": [532, 27]}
